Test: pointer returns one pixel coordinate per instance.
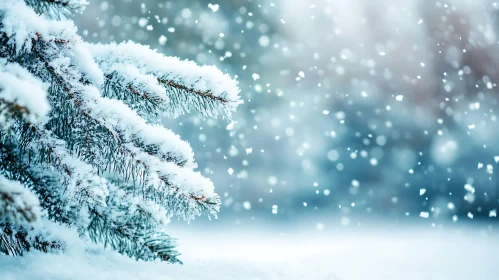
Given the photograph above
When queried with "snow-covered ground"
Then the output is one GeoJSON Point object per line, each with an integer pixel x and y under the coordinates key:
{"type": "Point", "coordinates": [389, 253]}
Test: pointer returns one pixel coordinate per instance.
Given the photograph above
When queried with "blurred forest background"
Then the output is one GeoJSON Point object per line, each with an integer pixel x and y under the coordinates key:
{"type": "Point", "coordinates": [353, 109]}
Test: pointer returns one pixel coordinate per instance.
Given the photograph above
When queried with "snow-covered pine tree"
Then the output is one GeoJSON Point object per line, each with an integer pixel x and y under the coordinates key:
{"type": "Point", "coordinates": [81, 142]}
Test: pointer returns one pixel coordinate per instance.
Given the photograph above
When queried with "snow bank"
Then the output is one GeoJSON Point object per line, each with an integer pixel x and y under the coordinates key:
{"type": "Point", "coordinates": [243, 255]}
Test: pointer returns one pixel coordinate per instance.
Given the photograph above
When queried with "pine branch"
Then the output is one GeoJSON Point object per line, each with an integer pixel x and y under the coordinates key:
{"type": "Point", "coordinates": [125, 154]}
{"type": "Point", "coordinates": [83, 96]}
{"type": "Point", "coordinates": [147, 103]}
{"type": "Point", "coordinates": [12, 108]}
{"type": "Point", "coordinates": [203, 94]}
{"type": "Point", "coordinates": [76, 98]}
{"type": "Point", "coordinates": [136, 237]}
{"type": "Point", "coordinates": [58, 8]}
{"type": "Point", "coordinates": [15, 240]}
{"type": "Point", "coordinates": [126, 150]}
{"type": "Point", "coordinates": [16, 244]}
{"type": "Point", "coordinates": [9, 112]}
{"type": "Point", "coordinates": [79, 186]}
{"type": "Point", "coordinates": [170, 196]}
{"type": "Point", "coordinates": [168, 100]}
{"type": "Point", "coordinates": [17, 167]}
{"type": "Point", "coordinates": [176, 87]}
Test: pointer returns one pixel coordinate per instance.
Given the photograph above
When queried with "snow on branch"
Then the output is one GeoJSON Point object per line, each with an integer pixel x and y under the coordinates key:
{"type": "Point", "coordinates": [21, 23]}
{"type": "Point", "coordinates": [141, 92]}
{"type": "Point", "coordinates": [17, 204]}
{"type": "Point", "coordinates": [124, 126]}
{"type": "Point", "coordinates": [186, 86]}
{"type": "Point", "coordinates": [21, 94]}
{"type": "Point", "coordinates": [116, 114]}
{"type": "Point", "coordinates": [79, 183]}
{"type": "Point", "coordinates": [23, 28]}
{"type": "Point", "coordinates": [42, 236]}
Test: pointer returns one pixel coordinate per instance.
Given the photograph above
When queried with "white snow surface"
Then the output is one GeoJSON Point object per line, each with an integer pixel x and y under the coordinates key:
{"type": "Point", "coordinates": [373, 254]}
